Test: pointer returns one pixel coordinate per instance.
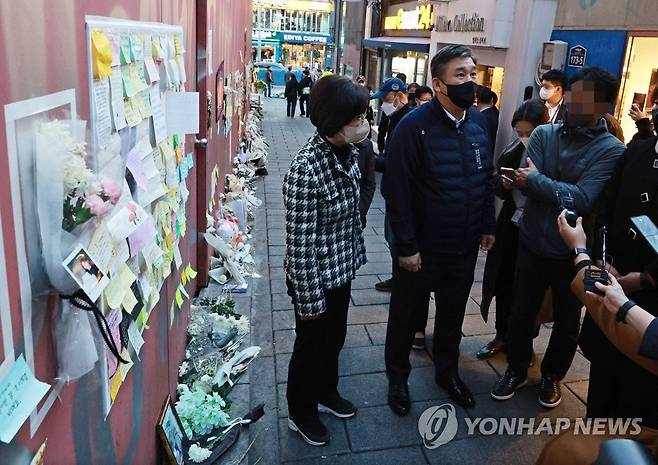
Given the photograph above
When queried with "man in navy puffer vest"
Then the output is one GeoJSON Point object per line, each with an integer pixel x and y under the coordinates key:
{"type": "Point", "coordinates": [439, 191]}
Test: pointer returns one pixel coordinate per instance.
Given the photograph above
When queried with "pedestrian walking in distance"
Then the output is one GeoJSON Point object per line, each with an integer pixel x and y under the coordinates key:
{"type": "Point", "coordinates": [324, 249]}
{"type": "Point", "coordinates": [291, 93]}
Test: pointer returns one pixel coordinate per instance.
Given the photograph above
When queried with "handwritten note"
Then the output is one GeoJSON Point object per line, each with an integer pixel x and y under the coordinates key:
{"type": "Point", "coordinates": [129, 87]}
{"type": "Point", "coordinates": [115, 46]}
{"type": "Point", "coordinates": [20, 393]}
{"type": "Point", "coordinates": [126, 220]}
{"type": "Point", "coordinates": [180, 61]}
{"type": "Point", "coordinates": [116, 92]}
{"type": "Point", "coordinates": [141, 237]}
{"type": "Point", "coordinates": [120, 284]}
{"type": "Point", "coordinates": [137, 47]}
{"type": "Point", "coordinates": [182, 112]}
{"type": "Point", "coordinates": [132, 115]}
{"type": "Point", "coordinates": [152, 70]}
{"type": "Point", "coordinates": [101, 93]}
{"type": "Point", "coordinates": [159, 119]}
{"type": "Point", "coordinates": [135, 338]}
{"type": "Point", "coordinates": [124, 45]}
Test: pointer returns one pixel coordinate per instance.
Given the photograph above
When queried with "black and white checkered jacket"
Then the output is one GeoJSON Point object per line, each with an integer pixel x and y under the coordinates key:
{"type": "Point", "coordinates": [324, 240]}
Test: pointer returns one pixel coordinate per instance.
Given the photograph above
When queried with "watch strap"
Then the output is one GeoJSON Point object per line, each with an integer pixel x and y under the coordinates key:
{"type": "Point", "coordinates": [578, 250]}
{"type": "Point", "coordinates": [583, 264]}
{"type": "Point", "coordinates": [623, 310]}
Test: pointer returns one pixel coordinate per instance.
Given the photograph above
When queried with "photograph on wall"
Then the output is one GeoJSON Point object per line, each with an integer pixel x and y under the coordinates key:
{"type": "Point", "coordinates": [171, 433]}
{"type": "Point", "coordinates": [83, 269]}
{"type": "Point", "coordinates": [219, 95]}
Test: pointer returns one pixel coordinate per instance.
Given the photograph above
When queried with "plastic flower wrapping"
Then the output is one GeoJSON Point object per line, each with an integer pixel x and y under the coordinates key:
{"type": "Point", "coordinates": [200, 412]}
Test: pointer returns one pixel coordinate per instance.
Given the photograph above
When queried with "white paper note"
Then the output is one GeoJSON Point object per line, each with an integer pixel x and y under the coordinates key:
{"type": "Point", "coordinates": [182, 112]}
{"type": "Point", "coordinates": [159, 119]}
{"type": "Point", "coordinates": [136, 338]}
{"type": "Point", "coordinates": [103, 123]}
{"type": "Point", "coordinates": [116, 90]}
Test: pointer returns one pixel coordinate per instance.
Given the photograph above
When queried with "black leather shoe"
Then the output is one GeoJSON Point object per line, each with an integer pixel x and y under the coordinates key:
{"type": "Point", "coordinates": [338, 407]}
{"type": "Point", "coordinates": [549, 392]}
{"type": "Point", "coordinates": [458, 391]}
{"type": "Point", "coordinates": [398, 398]}
{"type": "Point", "coordinates": [491, 348]}
{"type": "Point", "coordinates": [385, 286]}
{"type": "Point", "coordinates": [312, 431]}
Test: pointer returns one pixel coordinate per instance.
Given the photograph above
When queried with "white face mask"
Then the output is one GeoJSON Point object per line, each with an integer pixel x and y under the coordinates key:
{"type": "Point", "coordinates": [524, 140]}
{"type": "Point", "coordinates": [545, 93]}
{"type": "Point", "coordinates": [388, 108]}
{"type": "Point", "coordinates": [356, 134]}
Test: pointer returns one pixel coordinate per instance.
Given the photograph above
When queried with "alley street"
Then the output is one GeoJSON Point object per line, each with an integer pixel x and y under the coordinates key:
{"type": "Point", "coordinates": [376, 435]}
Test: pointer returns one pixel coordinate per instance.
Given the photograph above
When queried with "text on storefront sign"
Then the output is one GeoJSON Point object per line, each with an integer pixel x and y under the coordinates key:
{"type": "Point", "coordinates": [418, 18]}
{"type": "Point", "coordinates": [461, 23]}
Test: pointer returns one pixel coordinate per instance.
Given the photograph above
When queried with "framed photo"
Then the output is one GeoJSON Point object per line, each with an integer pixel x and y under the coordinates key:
{"type": "Point", "coordinates": [84, 270]}
{"type": "Point", "coordinates": [171, 433]}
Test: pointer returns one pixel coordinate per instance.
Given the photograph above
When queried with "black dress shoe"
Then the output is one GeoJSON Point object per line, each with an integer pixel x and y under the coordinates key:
{"type": "Point", "coordinates": [385, 286]}
{"type": "Point", "coordinates": [490, 349]}
{"type": "Point", "coordinates": [398, 398]}
{"type": "Point", "coordinates": [506, 386]}
{"type": "Point", "coordinates": [458, 391]}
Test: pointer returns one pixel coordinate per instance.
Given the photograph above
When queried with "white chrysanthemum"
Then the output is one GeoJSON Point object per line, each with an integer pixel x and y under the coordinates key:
{"type": "Point", "coordinates": [182, 388]}
{"type": "Point", "coordinates": [183, 369]}
{"type": "Point", "coordinates": [198, 454]}
{"type": "Point", "coordinates": [242, 324]}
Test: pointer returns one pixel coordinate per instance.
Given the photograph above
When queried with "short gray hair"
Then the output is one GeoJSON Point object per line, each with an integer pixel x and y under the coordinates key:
{"type": "Point", "coordinates": [445, 55]}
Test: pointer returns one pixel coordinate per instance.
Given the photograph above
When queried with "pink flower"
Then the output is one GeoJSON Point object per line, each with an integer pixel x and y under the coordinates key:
{"type": "Point", "coordinates": [97, 206]}
{"type": "Point", "coordinates": [112, 189]}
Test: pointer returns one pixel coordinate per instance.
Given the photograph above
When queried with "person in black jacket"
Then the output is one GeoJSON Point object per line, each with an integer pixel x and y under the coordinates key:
{"type": "Point", "coordinates": [291, 93]}
{"type": "Point", "coordinates": [383, 128]}
{"type": "Point", "coordinates": [486, 103]}
{"type": "Point", "coordinates": [500, 266]}
{"type": "Point", "coordinates": [619, 388]}
{"type": "Point", "coordinates": [553, 86]}
{"type": "Point", "coordinates": [439, 191]}
{"type": "Point", "coordinates": [368, 177]}
{"type": "Point", "coordinates": [646, 127]}
{"type": "Point", "coordinates": [304, 90]}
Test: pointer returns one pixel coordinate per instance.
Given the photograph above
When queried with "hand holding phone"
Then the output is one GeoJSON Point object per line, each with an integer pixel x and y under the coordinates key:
{"type": "Point", "coordinates": [508, 174]}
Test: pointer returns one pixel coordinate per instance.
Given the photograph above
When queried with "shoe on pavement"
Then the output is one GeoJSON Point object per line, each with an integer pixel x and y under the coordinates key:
{"type": "Point", "coordinates": [507, 385]}
{"type": "Point", "coordinates": [338, 407]}
{"type": "Point", "coordinates": [312, 431]}
{"type": "Point", "coordinates": [398, 398]}
{"type": "Point", "coordinates": [491, 348]}
{"type": "Point", "coordinates": [458, 390]}
{"type": "Point", "coordinates": [419, 341]}
{"type": "Point", "coordinates": [548, 392]}
{"type": "Point", "coordinates": [385, 286]}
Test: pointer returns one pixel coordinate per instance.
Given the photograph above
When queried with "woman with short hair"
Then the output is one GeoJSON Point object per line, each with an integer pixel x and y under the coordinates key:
{"type": "Point", "coordinates": [324, 248]}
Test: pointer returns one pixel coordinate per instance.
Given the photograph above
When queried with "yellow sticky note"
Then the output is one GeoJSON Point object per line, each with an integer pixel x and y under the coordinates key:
{"type": "Point", "coordinates": [115, 384]}
{"type": "Point", "coordinates": [129, 301]}
{"type": "Point", "coordinates": [177, 45]}
{"type": "Point", "coordinates": [183, 278]}
{"type": "Point", "coordinates": [124, 368]}
{"type": "Point", "coordinates": [101, 51]}
{"type": "Point", "coordinates": [132, 117]}
{"type": "Point", "coordinates": [179, 298]}
{"type": "Point", "coordinates": [115, 292]}
{"type": "Point", "coordinates": [142, 318]}
{"type": "Point", "coordinates": [189, 271]}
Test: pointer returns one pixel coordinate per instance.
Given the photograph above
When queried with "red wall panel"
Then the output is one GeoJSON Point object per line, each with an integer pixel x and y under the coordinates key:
{"type": "Point", "coordinates": [44, 46]}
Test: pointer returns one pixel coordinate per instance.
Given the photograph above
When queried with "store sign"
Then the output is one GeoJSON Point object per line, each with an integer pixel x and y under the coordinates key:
{"type": "Point", "coordinates": [301, 38]}
{"type": "Point", "coordinates": [577, 56]}
{"type": "Point", "coordinates": [420, 18]}
{"type": "Point", "coordinates": [485, 23]}
{"type": "Point", "coordinates": [260, 34]}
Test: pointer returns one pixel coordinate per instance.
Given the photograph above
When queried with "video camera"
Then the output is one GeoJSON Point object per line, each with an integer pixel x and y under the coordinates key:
{"type": "Point", "coordinates": [643, 226]}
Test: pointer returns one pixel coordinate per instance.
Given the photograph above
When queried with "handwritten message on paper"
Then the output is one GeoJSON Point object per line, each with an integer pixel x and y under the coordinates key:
{"type": "Point", "coordinates": [20, 393]}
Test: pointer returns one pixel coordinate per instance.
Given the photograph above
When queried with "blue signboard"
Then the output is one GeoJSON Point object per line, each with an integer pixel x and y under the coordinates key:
{"type": "Point", "coordinates": [305, 38]}
{"type": "Point", "coordinates": [577, 56]}
{"type": "Point", "coordinates": [593, 48]}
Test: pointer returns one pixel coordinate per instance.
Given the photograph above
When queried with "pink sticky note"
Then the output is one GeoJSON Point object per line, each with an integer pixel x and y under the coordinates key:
{"type": "Point", "coordinates": [141, 237]}
{"type": "Point", "coordinates": [134, 164]}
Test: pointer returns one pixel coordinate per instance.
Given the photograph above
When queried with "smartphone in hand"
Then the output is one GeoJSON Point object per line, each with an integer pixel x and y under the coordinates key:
{"type": "Point", "coordinates": [508, 173]}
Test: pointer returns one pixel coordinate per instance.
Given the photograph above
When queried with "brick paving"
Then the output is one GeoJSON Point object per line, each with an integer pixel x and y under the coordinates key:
{"type": "Point", "coordinates": [375, 435]}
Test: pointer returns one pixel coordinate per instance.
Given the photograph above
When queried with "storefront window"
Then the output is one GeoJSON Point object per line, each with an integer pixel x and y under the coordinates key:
{"type": "Point", "coordinates": [639, 81]}
{"type": "Point", "coordinates": [412, 64]}
{"type": "Point", "coordinates": [492, 77]}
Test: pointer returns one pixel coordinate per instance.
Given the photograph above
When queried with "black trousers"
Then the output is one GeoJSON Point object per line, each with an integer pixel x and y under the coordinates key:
{"type": "Point", "coordinates": [313, 369]}
{"type": "Point", "coordinates": [303, 100]}
{"type": "Point", "coordinates": [534, 274]}
{"type": "Point", "coordinates": [292, 105]}
{"type": "Point", "coordinates": [421, 313]}
{"type": "Point", "coordinates": [621, 389]}
{"type": "Point", "coordinates": [450, 277]}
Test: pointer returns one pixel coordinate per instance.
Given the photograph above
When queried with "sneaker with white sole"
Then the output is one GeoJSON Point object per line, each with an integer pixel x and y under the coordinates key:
{"type": "Point", "coordinates": [548, 392]}
{"type": "Point", "coordinates": [507, 385]}
{"type": "Point", "coordinates": [338, 407]}
{"type": "Point", "coordinates": [311, 431]}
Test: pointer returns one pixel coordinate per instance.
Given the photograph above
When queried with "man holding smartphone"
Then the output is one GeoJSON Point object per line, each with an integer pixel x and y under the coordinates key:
{"type": "Point", "coordinates": [575, 160]}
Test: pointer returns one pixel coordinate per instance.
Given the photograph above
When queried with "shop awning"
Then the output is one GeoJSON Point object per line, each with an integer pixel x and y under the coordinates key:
{"type": "Point", "coordinates": [416, 44]}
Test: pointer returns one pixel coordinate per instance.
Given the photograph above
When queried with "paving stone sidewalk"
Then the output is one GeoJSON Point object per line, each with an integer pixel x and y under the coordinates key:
{"type": "Point", "coordinates": [375, 435]}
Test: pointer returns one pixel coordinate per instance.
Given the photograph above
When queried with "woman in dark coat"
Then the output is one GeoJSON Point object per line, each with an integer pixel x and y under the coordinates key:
{"type": "Point", "coordinates": [304, 90]}
{"type": "Point", "coordinates": [501, 259]}
{"type": "Point", "coordinates": [291, 93]}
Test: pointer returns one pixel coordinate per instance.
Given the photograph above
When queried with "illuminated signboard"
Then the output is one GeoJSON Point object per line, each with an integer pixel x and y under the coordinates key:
{"type": "Point", "coordinates": [420, 18]}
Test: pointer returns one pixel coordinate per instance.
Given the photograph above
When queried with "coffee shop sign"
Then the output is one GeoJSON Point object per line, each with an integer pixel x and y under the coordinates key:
{"type": "Point", "coordinates": [461, 23]}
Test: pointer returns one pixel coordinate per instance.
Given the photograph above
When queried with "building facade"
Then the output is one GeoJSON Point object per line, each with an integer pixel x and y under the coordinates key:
{"type": "Point", "coordinates": [620, 35]}
{"type": "Point", "coordinates": [292, 32]}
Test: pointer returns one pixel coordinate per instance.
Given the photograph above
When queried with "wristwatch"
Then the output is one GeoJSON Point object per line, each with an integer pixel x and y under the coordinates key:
{"type": "Point", "coordinates": [578, 250]}
{"type": "Point", "coordinates": [623, 310]}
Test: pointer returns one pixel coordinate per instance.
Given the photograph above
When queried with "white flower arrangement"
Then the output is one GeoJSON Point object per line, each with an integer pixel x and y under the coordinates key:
{"type": "Point", "coordinates": [198, 454]}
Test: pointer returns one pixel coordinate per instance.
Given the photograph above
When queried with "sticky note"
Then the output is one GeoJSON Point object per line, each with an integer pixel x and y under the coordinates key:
{"type": "Point", "coordinates": [115, 385]}
{"type": "Point", "coordinates": [189, 271]}
{"type": "Point", "coordinates": [129, 301]}
{"type": "Point", "coordinates": [20, 393]}
{"type": "Point", "coordinates": [124, 49]}
{"type": "Point", "coordinates": [152, 70]}
{"type": "Point", "coordinates": [137, 47]}
{"type": "Point", "coordinates": [124, 368]}
{"type": "Point", "coordinates": [129, 88]}
{"type": "Point", "coordinates": [115, 46]}
{"type": "Point", "coordinates": [179, 298]}
{"type": "Point", "coordinates": [135, 338]}
{"type": "Point", "coordinates": [101, 55]}
{"type": "Point", "coordinates": [120, 283]}
{"type": "Point", "coordinates": [142, 318]}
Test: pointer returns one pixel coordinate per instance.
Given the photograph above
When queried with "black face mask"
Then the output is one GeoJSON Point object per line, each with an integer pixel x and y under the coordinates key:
{"type": "Point", "coordinates": [462, 95]}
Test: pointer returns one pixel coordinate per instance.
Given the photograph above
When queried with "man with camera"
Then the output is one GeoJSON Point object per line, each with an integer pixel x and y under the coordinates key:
{"type": "Point", "coordinates": [568, 166]}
